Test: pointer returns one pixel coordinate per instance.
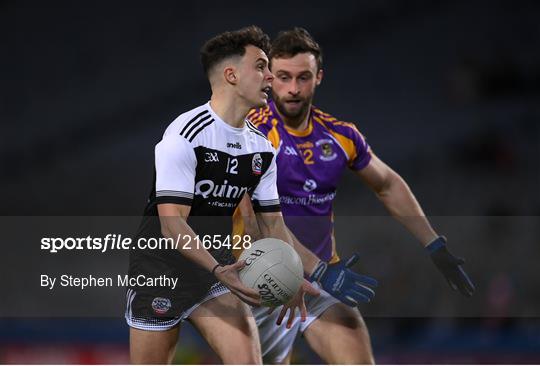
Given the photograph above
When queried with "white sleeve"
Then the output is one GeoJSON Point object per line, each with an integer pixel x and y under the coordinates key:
{"type": "Point", "coordinates": [175, 170]}
{"type": "Point", "coordinates": [265, 197]}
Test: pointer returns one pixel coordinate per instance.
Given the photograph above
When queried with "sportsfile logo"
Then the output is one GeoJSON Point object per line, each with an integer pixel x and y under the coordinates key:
{"type": "Point", "coordinates": [235, 145]}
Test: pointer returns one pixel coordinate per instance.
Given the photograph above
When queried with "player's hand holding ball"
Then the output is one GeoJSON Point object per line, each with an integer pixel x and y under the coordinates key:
{"type": "Point", "coordinates": [274, 270]}
{"type": "Point", "coordinates": [228, 275]}
{"type": "Point", "coordinates": [450, 266]}
{"type": "Point", "coordinates": [340, 281]}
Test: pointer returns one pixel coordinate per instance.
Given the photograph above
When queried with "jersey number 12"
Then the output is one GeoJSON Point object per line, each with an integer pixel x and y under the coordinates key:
{"type": "Point", "coordinates": [232, 166]}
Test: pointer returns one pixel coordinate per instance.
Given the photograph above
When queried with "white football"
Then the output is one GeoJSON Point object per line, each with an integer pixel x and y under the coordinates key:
{"type": "Point", "coordinates": [273, 269]}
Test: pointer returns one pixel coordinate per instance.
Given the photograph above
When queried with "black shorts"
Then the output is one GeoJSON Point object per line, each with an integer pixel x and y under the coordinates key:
{"type": "Point", "coordinates": [166, 323]}
{"type": "Point", "coordinates": [159, 300]}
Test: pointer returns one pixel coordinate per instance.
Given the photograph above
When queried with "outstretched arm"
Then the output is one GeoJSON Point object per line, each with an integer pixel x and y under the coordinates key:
{"type": "Point", "coordinates": [398, 199]}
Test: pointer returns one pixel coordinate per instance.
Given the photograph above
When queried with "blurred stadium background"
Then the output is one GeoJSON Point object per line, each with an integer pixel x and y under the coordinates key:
{"type": "Point", "coordinates": [447, 93]}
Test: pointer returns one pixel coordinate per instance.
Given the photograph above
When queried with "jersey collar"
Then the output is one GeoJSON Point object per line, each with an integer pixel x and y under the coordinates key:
{"type": "Point", "coordinates": [237, 130]}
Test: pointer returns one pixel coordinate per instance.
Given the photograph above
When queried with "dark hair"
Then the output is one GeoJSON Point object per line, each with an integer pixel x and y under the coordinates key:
{"type": "Point", "coordinates": [289, 43]}
{"type": "Point", "coordinates": [232, 43]}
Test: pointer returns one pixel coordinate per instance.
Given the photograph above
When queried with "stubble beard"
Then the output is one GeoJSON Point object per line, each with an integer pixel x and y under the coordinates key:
{"type": "Point", "coordinates": [294, 117]}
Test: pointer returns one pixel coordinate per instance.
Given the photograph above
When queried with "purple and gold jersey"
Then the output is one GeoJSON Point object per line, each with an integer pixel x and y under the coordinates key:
{"type": "Point", "coordinates": [310, 164]}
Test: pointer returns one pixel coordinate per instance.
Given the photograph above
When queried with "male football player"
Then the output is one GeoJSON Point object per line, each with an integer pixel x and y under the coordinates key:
{"type": "Point", "coordinates": [313, 150]}
{"type": "Point", "coordinates": [208, 158]}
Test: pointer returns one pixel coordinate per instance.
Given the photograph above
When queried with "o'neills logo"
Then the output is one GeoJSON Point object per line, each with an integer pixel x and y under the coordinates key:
{"type": "Point", "coordinates": [256, 164]}
{"type": "Point", "coordinates": [207, 188]}
{"type": "Point", "coordinates": [235, 145]}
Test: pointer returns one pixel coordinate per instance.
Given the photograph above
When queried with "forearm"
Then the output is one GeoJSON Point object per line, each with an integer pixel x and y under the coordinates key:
{"type": "Point", "coordinates": [309, 259]}
{"type": "Point", "coordinates": [251, 227]}
{"type": "Point", "coordinates": [176, 227]}
{"type": "Point", "coordinates": [402, 205]}
{"type": "Point", "coordinates": [274, 227]}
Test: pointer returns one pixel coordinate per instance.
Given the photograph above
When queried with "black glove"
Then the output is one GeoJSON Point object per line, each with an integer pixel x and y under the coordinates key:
{"type": "Point", "coordinates": [450, 266]}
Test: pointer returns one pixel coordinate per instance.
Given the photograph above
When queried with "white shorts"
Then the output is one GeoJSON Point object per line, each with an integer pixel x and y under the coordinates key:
{"type": "Point", "coordinates": [163, 324]}
{"type": "Point", "coordinates": [277, 341]}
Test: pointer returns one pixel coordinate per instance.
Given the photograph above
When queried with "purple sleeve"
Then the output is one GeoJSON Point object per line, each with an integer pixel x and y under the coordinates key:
{"type": "Point", "coordinates": [362, 149]}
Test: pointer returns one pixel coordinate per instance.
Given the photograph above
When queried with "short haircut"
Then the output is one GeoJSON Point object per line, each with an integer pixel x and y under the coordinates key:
{"type": "Point", "coordinates": [232, 43]}
{"type": "Point", "coordinates": [289, 43]}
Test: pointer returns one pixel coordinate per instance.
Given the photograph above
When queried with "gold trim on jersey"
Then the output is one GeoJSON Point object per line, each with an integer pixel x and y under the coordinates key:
{"type": "Point", "coordinates": [303, 133]}
{"type": "Point", "coordinates": [273, 134]}
{"type": "Point", "coordinates": [335, 257]}
{"type": "Point", "coordinates": [346, 143]}
{"type": "Point", "coordinates": [259, 116]}
{"type": "Point", "coordinates": [237, 229]}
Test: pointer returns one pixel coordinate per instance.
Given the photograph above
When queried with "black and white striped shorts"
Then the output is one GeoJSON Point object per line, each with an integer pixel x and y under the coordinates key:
{"type": "Point", "coordinates": [166, 323]}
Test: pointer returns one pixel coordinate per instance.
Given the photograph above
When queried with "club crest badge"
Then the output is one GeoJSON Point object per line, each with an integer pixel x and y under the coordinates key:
{"type": "Point", "coordinates": [256, 164]}
{"type": "Point", "coordinates": [327, 149]}
{"type": "Point", "coordinates": [161, 305]}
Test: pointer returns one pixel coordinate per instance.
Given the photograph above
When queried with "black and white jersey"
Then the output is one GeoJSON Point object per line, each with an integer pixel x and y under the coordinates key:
{"type": "Point", "coordinates": [209, 165]}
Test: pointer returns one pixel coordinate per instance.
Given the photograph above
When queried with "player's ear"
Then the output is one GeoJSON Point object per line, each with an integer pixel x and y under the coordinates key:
{"type": "Point", "coordinates": [319, 77]}
{"type": "Point", "coordinates": [230, 75]}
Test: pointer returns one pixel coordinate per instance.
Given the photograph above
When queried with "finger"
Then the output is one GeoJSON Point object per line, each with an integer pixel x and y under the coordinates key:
{"type": "Point", "coordinates": [348, 300]}
{"type": "Point", "coordinates": [270, 310]}
{"type": "Point", "coordinates": [303, 312]}
{"type": "Point", "coordinates": [352, 260]}
{"type": "Point", "coordinates": [451, 283]}
{"type": "Point", "coordinates": [246, 299]}
{"type": "Point", "coordinates": [281, 315]}
{"type": "Point", "coordinates": [248, 292]}
{"type": "Point", "coordinates": [292, 314]}
{"type": "Point", "coordinates": [363, 290]}
{"type": "Point", "coordinates": [465, 291]}
{"type": "Point", "coordinates": [364, 280]}
{"type": "Point", "coordinates": [239, 265]}
{"type": "Point", "coordinates": [245, 291]}
{"type": "Point", "coordinates": [357, 296]}
{"type": "Point", "coordinates": [466, 285]}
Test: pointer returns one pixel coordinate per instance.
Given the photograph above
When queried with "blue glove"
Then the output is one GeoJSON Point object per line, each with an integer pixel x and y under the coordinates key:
{"type": "Point", "coordinates": [450, 266]}
{"type": "Point", "coordinates": [343, 283]}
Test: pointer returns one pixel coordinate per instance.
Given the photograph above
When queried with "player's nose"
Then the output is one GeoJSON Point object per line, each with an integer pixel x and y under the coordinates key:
{"type": "Point", "coordinates": [269, 77]}
{"type": "Point", "coordinates": [293, 88]}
